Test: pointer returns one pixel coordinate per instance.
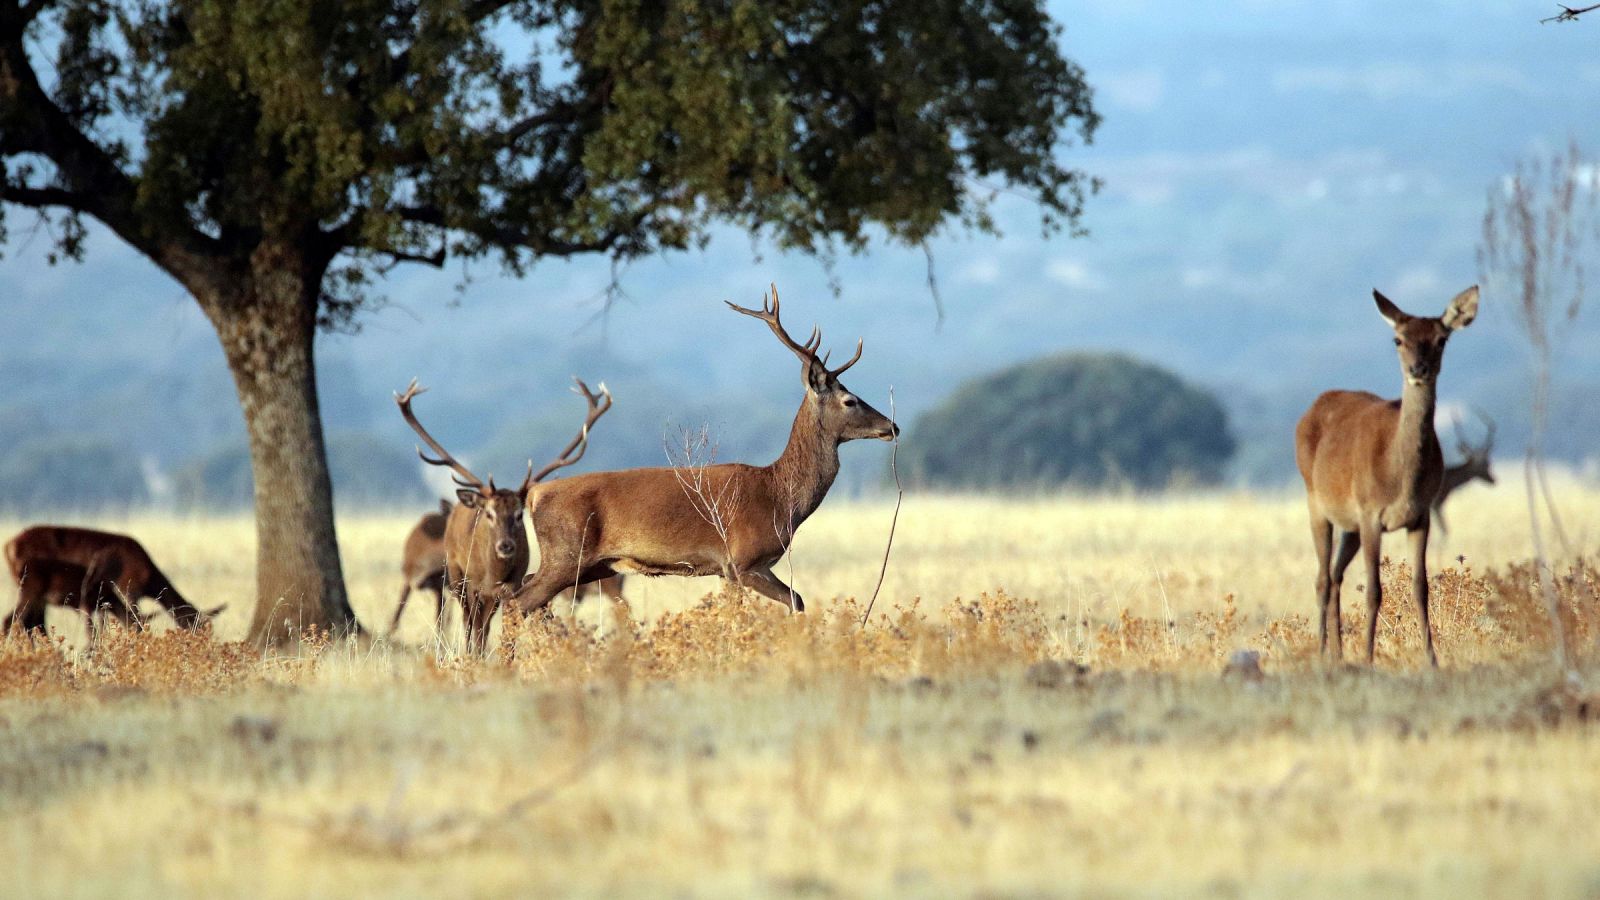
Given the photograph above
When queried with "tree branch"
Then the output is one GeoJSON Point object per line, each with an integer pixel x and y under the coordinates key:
{"type": "Point", "coordinates": [41, 197]}
{"type": "Point", "coordinates": [1569, 14]}
{"type": "Point", "coordinates": [540, 244]}
{"type": "Point", "coordinates": [93, 182]}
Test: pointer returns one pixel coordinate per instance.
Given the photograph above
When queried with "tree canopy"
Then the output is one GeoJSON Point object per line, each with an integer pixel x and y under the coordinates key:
{"type": "Point", "coordinates": [277, 156]}
{"type": "Point", "coordinates": [1079, 419]}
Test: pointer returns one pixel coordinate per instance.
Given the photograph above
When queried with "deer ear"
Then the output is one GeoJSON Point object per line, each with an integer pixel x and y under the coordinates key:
{"type": "Point", "coordinates": [1388, 310]}
{"type": "Point", "coordinates": [468, 497]}
{"type": "Point", "coordinates": [444, 507]}
{"type": "Point", "coordinates": [1462, 310]}
{"type": "Point", "coordinates": [817, 378]}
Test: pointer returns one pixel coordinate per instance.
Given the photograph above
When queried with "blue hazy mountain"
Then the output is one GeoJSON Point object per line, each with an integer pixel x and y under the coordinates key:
{"type": "Point", "coordinates": [1265, 166]}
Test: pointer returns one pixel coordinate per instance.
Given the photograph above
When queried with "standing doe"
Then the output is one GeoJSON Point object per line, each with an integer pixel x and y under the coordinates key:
{"type": "Point", "coordinates": [730, 519]}
{"type": "Point", "coordinates": [1373, 465]}
{"type": "Point", "coordinates": [486, 547]}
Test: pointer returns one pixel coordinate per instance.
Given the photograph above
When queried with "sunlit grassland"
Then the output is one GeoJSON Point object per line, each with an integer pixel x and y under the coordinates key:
{"type": "Point", "coordinates": [1072, 731]}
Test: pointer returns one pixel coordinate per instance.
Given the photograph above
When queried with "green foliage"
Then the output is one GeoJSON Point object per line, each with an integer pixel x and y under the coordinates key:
{"type": "Point", "coordinates": [367, 471]}
{"type": "Point", "coordinates": [1078, 419]}
{"type": "Point", "coordinates": [67, 473]}
{"type": "Point", "coordinates": [371, 132]}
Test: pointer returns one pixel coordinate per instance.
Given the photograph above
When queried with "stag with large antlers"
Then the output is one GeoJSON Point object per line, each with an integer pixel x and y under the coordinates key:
{"type": "Point", "coordinates": [729, 519]}
{"type": "Point", "coordinates": [1373, 465]}
{"type": "Point", "coordinates": [113, 572]}
{"type": "Point", "coordinates": [486, 547]}
{"type": "Point", "coordinates": [1474, 466]}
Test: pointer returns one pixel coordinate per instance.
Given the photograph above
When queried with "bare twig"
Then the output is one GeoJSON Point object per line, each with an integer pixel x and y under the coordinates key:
{"type": "Point", "coordinates": [899, 495]}
{"type": "Point", "coordinates": [933, 289]}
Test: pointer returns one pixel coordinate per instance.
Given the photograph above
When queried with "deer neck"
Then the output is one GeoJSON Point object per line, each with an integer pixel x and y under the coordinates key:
{"type": "Point", "coordinates": [1415, 442]}
{"type": "Point", "coordinates": [805, 470]}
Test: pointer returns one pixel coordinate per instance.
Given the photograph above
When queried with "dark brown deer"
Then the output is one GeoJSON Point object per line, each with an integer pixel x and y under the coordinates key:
{"type": "Point", "coordinates": [114, 571]}
{"type": "Point", "coordinates": [485, 544]}
{"type": "Point", "coordinates": [1373, 465]}
{"type": "Point", "coordinates": [730, 519]}
{"type": "Point", "coordinates": [422, 564]}
{"type": "Point", "coordinates": [1474, 466]}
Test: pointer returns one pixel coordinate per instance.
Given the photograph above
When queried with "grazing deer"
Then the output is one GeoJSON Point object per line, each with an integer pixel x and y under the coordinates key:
{"type": "Point", "coordinates": [114, 573]}
{"type": "Point", "coordinates": [1373, 465]}
{"type": "Point", "coordinates": [730, 519]}
{"type": "Point", "coordinates": [485, 545]}
{"type": "Point", "coordinates": [1474, 465]}
{"type": "Point", "coordinates": [422, 563]}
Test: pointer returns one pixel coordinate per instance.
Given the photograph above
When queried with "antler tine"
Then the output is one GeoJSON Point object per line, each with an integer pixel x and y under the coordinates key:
{"type": "Point", "coordinates": [853, 360]}
{"type": "Point", "coordinates": [770, 314]}
{"type": "Point", "coordinates": [599, 404]}
{"type": "Point", "coordinates": [464, 476]}
{"type": "Point", "coordinates": [1462, 443]}
{"type": "Point", "coordinates": [1488, 440]}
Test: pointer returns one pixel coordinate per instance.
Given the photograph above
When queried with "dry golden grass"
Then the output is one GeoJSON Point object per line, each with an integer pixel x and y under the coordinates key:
{"type": "Point", "coordinates": [1038, 707]}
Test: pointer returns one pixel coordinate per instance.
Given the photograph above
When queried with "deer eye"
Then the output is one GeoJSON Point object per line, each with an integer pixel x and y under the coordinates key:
{"type": "Point", "coordinates": [1397, 342]}
{"type": "Point", "coordinates": [849, 401]}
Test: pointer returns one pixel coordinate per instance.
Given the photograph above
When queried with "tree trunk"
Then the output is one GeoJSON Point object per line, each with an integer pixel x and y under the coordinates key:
{"type": "Point", "coordinates": [267, 332]}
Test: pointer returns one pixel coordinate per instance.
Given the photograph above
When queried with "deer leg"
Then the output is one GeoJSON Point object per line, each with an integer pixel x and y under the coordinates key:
{"type": "Point", "coordinates": [441, 612]}
{"type": "Point", "coordinates": [763, 582]}
{"type": "Point", "coordinates": [482, 613]}
{"type": "Point", "coordinates": [1371, 538]}
{"type": "Point", "coordinates": [1322, 539]}
{"type": "Point", "coordinates": [1349, 543]}
{"type": "Point", "coordinates": [400, 608]}
{"type": "Point", "coordinates": [1419, 586]}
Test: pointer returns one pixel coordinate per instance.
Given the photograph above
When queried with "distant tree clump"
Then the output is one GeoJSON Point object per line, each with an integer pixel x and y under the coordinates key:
{"type": "Point", "coordinates": [67, 473]}
{"type": "Point", "coordinates": [1078, 419]}
{"type": "Point", "coordinates": [367, 471]}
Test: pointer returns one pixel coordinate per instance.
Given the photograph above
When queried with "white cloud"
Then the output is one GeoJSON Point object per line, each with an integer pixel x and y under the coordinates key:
{"type": "Point", "coordinates": [1073, 274]}
{"type": "Point", "coordinates": [1417, 284]}
{"type": "Point", "coordinates": [1140, 90]}
{"type": "Point", "coordinates": [1390, 81]}
{"type": "Point", "coordinates": [1156, 178]}
{"type": "Point", "coordinates": [980, 271]}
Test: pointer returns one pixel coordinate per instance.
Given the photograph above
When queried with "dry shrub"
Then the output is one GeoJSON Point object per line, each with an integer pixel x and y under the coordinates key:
{"type": "Point", "coordinates": [737, 633]}
{"type": "Point", "coordinates": [33, 665]}
{"type": "Point", "coordinates": [175, 661]}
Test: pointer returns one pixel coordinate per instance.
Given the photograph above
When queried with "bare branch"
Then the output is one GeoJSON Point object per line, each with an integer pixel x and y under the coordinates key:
{"type": "Point", "coordinates": [42, 197]}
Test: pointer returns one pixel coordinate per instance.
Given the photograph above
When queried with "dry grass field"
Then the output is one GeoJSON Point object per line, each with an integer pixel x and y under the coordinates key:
{"type": "Point", "coordinates": [1038, 707]}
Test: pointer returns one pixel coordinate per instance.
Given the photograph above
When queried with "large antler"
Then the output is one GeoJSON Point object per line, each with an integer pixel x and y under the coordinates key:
{"type": "Point", "coordinates": [1488, 438]}
{"type": "Point", "coordinates": [579, 444]}
{"type": "Point", "coordinates": [807, 351]}
{"type": "Point", "coordinates": [463, 477]}
{"type": "Point", "coordinates": [1465, 446]}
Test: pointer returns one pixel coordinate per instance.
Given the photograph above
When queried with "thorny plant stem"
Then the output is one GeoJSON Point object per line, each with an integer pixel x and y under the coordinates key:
{"type": "Point", "coordinates": [899, 495]}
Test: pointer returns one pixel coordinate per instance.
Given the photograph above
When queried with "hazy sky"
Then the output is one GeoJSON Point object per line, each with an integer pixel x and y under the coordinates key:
{"type": "Point", "coordinates": [1266, 165]}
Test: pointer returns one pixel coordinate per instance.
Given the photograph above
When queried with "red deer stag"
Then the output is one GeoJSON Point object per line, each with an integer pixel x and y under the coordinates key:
{"type": "Point", "coordinates": [730, 519]}
{"type": "Point", "coordinates": [485, 545]}
{"type": "Point", "coordinates": [1373, 465]}
{"type": "Point", "coordinates": [114, 573]}
{"type": "Point", "coordinates": [1474, 466]}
